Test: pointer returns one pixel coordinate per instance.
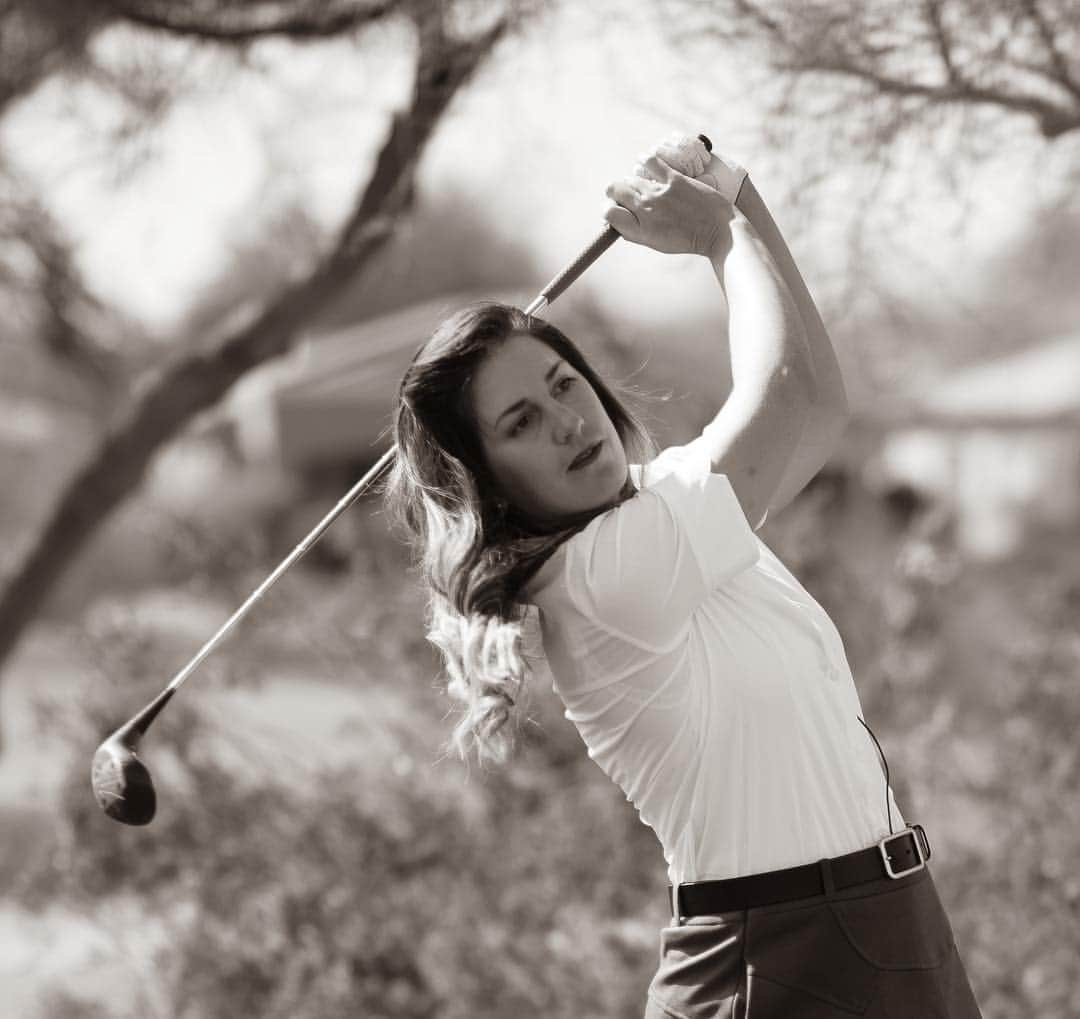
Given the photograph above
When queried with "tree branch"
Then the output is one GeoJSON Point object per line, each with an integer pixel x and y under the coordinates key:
{"type": "Point", "coordinates": [195, 381]}
{"type": "Point", "coordinates": [36, 43]}
{"type": "Point", "coordinates": [1053, 120]}
{"type": "Point", "coordinates": [240, 26]}
{"type": "Point", "coordinates": [1062, 74]}
{"type": "Point", "coordinates": [759, 17]}
{"type": "Point", "coordinates": [932, 9]}
{"type": "Point", "coordinates": [311, 21]}
{"type": "Point", "coordinates": [878, 44]}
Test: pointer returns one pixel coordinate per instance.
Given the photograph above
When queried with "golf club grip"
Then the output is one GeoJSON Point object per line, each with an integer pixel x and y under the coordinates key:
{"type": "Point", "coordinates": [608, 236]}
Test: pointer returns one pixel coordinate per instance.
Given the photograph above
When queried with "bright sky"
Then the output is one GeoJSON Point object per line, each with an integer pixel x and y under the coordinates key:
{"type": "Point", "coordinates": [537, 140]}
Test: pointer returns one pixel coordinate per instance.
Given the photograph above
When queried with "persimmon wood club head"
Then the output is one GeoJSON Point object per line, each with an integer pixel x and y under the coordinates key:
{"type": "Point", "coordinates": [121, 782]}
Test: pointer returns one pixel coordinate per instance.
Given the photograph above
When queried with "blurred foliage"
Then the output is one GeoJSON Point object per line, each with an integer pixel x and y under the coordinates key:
{"type": "Point", "coordinates": [902, 61]}
{"type": "Point", "coordinates": [280, 883]}
{"type": "Point", "coordinates": [968, 673]}
{"type": "Point", "coordinates": [279, 887]}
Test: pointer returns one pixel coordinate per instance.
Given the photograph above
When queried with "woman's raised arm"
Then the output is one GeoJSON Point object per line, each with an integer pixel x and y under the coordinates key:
{"type": "Point", "coordinates": [756, 433]}
{"type": "Point", "coordinates": [829, 412]}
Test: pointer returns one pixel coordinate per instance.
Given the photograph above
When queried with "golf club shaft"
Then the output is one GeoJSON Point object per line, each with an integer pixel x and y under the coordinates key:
{"type": "Point", "coordinates": [590, 254]}
{"type": "Point", "coordinates": [316, 533]}
{"type": "Point", "coordinates": [603, 240]}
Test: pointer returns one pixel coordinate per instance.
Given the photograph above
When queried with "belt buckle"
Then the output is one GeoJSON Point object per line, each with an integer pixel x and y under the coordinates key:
{"type": "Point", "coordinates": [922, 850]}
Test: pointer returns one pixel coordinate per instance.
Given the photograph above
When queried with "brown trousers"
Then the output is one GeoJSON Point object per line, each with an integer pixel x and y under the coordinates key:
{"type": "Point", "coordinates": [883, 950]}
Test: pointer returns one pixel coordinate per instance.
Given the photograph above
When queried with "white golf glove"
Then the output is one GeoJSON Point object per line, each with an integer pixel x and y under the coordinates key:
{"type": "Point", "coordinates": [688, 155]}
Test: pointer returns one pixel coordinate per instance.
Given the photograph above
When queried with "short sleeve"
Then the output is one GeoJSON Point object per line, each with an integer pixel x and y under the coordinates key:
{"type": "Point", "coordinates": [709, 514]}
{"type": "Point", "coordinates": [642, 569]}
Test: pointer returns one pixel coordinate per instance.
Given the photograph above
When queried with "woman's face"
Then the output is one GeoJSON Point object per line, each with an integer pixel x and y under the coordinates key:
{"type": "Point", "coordinates": [535, 415]}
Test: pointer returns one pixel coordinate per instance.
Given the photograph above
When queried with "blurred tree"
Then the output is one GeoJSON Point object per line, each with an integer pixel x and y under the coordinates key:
{"type": "Point", "coordinates": [46, 298]}
{"type": "Point", "coordinates": [42, 287]}
{"type": "Point", "coordinates": [899, 90]}
{"type": "Point", "coordinates": [453, 41]}
{"type": "Point", "coordinates": [901, 61]}
{"type": "Point", "coordinates": [890, 109]}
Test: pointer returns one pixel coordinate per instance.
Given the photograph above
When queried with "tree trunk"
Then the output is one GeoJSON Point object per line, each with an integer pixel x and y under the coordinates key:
{"type": "Point", "coordinates": [197, 380]}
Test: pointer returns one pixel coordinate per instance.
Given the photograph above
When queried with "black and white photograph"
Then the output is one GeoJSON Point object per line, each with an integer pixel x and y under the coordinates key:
{"type": "Point", "coordinates": [539, 508]}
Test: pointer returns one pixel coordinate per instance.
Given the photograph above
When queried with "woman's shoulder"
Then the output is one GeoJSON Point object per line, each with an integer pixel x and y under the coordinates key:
{"type": "Point", "coordinates": [601, 540]}
{"type": "Point", "coordinates": [605, 525]}
{"type": "Point", "coordinates": [691, 457]}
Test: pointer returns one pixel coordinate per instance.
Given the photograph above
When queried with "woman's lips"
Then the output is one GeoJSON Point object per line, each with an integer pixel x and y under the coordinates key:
{"type": "Point", "coordinates": [587, 457]}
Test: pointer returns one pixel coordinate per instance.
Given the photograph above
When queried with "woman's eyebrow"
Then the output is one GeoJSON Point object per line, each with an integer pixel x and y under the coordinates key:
{"type": "Point", "coordinates": [520, 403]}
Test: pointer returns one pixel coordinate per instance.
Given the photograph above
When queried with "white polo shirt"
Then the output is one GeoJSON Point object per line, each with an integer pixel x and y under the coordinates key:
{"type": "Point", "coordinates": [707, 682]}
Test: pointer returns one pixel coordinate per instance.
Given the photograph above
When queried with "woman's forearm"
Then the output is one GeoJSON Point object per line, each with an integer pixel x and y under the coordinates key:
{"type": "Point", "coordinates": [829, 385]}
{"type": "Point", "coordinates": [765, 330]}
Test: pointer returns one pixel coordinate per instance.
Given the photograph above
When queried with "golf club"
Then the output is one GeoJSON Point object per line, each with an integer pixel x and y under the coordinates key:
{"type": "Point", "coordinates": [120, 781]}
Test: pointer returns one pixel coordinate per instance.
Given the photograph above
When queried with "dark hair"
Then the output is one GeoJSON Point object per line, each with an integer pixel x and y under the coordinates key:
{"type": "Point", "coordinates": [474, 557]}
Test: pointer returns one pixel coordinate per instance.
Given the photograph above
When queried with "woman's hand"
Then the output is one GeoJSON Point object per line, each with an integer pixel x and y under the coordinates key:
{"type": "Point", "coordinates": [668, 211]}
{"type": "Point", "coordinates": [696, 158]}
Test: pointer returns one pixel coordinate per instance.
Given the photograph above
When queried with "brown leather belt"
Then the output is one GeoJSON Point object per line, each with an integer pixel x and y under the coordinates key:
{"type": "Point", "coordinates": [894, 856]}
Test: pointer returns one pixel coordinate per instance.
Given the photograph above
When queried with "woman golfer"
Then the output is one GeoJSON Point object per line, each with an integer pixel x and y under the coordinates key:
{"type": "Point", "coordinates": [702, 677]}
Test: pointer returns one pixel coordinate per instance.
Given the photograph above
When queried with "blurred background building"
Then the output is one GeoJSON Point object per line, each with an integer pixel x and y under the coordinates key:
{"type": "Point", "coordinates": [999, 440]}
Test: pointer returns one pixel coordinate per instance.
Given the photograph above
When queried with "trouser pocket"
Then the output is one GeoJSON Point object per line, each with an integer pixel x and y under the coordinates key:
{"type": "Point", "coordinates": [700, 968]}
{"type": "Point", "coordinates": [899, 928]}
{"type": "Point", "coordinates": [800, 963]}
{"type": "Point", "coordinates": [905, 934]}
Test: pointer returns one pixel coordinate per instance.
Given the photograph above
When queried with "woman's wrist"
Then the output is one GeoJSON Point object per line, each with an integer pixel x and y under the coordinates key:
{"type": "Point", "coordinates": [727, 229]}
{"type": "Point", "coordinates": [718, 246]}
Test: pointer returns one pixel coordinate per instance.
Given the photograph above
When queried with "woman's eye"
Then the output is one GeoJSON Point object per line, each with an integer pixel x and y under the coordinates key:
{"type": "Point", "coordinates": [561, 386]}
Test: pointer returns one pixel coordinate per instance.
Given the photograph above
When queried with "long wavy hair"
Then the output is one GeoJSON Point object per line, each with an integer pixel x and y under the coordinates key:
{"type": "Point", "coordinates": [474, 553]}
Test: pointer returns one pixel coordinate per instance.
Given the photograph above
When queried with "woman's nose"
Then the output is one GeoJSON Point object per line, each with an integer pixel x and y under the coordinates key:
{"type": "Point", "coordinates": [568, 425]}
